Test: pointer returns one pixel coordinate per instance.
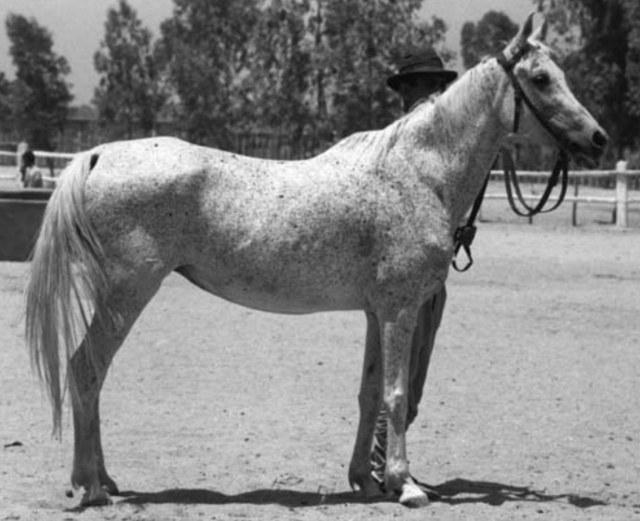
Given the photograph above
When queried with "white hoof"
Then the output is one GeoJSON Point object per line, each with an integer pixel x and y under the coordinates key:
{"type": "Point", "coordinates": [96, 497]}
{"type": "Point", "coordinates": [413, 497]}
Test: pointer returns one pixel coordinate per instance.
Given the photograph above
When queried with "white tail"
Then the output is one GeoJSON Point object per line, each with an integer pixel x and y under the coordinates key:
{"type": "Point", "coordinates": [67, 281]}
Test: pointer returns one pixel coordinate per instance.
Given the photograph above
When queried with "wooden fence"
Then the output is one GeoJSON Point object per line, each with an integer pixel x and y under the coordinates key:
{"type": "Point", "coordinates": [621, 199]}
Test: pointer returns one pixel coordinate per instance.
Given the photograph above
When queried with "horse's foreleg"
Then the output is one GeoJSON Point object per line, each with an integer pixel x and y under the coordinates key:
{"type": "Point", "coordinates": [88, 368]}
{"type": "Point", "coordinates": [369, 401]}
{"type": "Point", "coordinates": [396, 341]}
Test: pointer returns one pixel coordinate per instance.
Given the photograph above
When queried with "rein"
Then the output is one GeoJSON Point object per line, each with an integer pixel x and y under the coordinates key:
{"type": "Point", "coordinates": [464, 235]}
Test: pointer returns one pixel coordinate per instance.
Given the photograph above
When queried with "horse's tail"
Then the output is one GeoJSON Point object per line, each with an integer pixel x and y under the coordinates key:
{"type": "Point", "coordinates": [67, 282]}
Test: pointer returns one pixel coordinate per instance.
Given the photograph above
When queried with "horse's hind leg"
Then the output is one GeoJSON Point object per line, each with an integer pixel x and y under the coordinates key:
{"type": "Point", "coordinates": [88, 368]}
{"type": "Point", "coordinates": [369, 401]}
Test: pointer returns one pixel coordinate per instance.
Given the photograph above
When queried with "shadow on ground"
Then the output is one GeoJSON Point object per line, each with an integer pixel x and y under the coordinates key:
{"type": "Point", "coordinates": [454, 492]}
{"type": "Point", "coordinates": [459, 491]}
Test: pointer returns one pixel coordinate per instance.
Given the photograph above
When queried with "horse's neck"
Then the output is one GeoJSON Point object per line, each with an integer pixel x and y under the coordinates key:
{"type": "Point", "coordinates": [462, 135]}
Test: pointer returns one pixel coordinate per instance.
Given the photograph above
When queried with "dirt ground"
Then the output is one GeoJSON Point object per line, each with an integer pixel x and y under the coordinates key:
{"type": "Point", "coordinates": [212, 411]}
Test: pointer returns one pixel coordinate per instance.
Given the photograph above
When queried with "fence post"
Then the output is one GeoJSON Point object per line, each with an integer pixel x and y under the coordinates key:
{"type": "Point", "coordinates": [574, 206]}
{"type": "Point", "coordinates": [622, 195]}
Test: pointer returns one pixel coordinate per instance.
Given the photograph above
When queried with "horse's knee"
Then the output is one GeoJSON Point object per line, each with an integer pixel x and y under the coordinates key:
{"type": "Point", "coordinates": [396, 401]}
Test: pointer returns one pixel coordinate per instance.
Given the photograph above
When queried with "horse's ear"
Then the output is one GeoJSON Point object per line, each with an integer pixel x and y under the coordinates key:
{"type": "Point", "coordinates": [541, 32]}
{"type": "Point", "coordinates": [520, 39]}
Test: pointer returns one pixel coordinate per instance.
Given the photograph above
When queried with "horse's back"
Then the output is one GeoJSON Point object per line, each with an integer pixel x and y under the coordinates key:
{"type": "Point", "coordinates": [257, 232]}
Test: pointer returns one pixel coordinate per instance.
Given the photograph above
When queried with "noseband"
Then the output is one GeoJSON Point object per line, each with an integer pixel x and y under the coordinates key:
{"type": "Point", "coordinates": [464, 235]}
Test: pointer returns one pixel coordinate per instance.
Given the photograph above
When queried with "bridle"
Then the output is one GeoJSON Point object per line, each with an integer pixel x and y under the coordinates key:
{"type": "Point", "coordinates": [464, 235]}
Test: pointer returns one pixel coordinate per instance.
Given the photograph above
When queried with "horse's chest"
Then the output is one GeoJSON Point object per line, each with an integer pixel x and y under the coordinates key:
{"type": "Point", "coordinates": [415, 258]}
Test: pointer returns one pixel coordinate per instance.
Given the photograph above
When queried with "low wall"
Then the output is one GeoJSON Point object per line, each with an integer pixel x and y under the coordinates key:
{"type": "Point", "coordinates": [21, 214]}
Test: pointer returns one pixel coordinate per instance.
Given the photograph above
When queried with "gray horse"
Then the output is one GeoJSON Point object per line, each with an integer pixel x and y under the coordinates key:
{"type": "Point", "coordinates": [367, 225]}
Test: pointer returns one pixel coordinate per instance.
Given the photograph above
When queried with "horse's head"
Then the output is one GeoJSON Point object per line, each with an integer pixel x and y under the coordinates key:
{"type": "Point", "coordinates": [553, 111]}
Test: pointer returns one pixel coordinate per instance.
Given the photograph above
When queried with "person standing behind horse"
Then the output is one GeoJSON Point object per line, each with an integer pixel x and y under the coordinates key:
{"type": "Point", "coordinates": [421, 76]}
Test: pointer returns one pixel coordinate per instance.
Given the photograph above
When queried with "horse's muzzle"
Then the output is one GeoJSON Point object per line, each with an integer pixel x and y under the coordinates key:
{"type": "Point", "coordinates": [599, 140]}
{"type": "Point", "coordinates": [588, 151]}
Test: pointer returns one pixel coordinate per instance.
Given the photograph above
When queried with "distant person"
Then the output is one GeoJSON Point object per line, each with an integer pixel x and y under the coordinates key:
{"type": "Point", "coordinates": [421, 76]}
{"type": "Point", "coordinates": [30, 174]}
{"type": "Point", "coordinates": [22, 147]}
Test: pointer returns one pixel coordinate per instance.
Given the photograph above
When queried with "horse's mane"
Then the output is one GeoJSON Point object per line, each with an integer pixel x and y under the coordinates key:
{"type": "Point", "coordinates": [368, 143]}
{"type": "Point", "coordinates": [433, 121]}
{"type": "Point", "coordinates": [439, 122]}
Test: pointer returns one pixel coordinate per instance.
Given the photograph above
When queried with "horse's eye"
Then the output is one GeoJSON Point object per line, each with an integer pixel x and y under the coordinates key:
{"type": "Point", "coordinates": [541, 80]}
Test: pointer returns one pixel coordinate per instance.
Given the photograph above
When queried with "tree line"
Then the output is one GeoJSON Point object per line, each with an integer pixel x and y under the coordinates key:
{"type": "Point", "coordinates": [305, 69]}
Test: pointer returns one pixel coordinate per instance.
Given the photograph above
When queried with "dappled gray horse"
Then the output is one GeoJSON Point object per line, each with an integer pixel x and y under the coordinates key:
{"type": "Point", "coordinates": [367, 225]}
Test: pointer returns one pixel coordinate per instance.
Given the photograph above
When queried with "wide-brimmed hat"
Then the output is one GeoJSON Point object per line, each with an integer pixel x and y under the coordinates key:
{"type": "Point", "coordinates": [421, 61]}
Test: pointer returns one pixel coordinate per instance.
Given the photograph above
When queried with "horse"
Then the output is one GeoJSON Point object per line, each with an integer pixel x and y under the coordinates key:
{"type": "Point", "coordinates": [367, 225]}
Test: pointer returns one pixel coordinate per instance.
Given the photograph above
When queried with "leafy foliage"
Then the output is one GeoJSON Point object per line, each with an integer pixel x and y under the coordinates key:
{"type": "Point", "coordinates": [5, 102]}
{"type": "Point", "coordinates": [205, 49]}
{"type": "Point", "coordinates": [485, 38]}
{"type": "Point", "coordinates": [296, 68]}
{"type": "Point", "coordinates": [280, 63]}
{"type": "Point", "coordinates": [299, 67]}
{"type": "Point", "coordinates": [39, 95]}
{"type": "Point", "coordinates": [361, 42]}
{"type": "Point", "coordinates": [130, 92]}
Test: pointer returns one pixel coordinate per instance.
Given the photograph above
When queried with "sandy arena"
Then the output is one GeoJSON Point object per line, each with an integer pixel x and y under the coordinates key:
{"type": "Point", "coordinates": [213, 411]}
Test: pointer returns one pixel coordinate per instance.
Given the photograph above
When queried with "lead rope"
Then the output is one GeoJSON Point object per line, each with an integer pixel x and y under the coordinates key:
{"type": "Point", "coordinates": [512, 185]}
{"type": "Point", "coordinates": [464, 235]}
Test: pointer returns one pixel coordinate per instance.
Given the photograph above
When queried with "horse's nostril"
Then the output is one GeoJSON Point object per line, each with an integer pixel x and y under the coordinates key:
{"type": "Point", "coordinates": [599, 139]}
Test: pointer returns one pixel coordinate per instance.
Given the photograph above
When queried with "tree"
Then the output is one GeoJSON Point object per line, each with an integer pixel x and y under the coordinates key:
{"type": "Point", "coordinates": [304, 67]}
{"type": "Point", "coordinates": [40, 95]}
{"type": "Point", "coordinates": [486, 38]}
{"type": "Point", "coordinates": [5, 102]}
{"type": "Point", "coordinates": [280, 64]}
{"type": "Point", "coordinates": [632, 71]}
{"type": "Point", "coordinates": [204, 47]}
{"type": "Point", "coordinates": [130, 92]}
{"type": "Point", "coordinates": [362, 40]}
{"type": "Point", "coordinates": [600, 42]}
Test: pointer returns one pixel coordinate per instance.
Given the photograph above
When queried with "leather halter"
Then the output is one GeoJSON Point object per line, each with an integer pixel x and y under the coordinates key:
{"type": "Point", "coordinates": [464, 235]}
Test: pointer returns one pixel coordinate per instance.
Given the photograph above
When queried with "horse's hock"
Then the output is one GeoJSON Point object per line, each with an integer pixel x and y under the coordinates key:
{"type": "Point", "coordinates": [21, 213]}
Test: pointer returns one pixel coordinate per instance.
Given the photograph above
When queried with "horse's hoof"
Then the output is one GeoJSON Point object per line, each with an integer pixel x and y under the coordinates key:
{"type": "Point", "coordinates": [97, 497]}
{"type": "Point", "coordinates": [413, 497]}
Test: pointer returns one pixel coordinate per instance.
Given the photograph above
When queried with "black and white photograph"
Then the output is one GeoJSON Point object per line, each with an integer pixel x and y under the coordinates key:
{"type": "Point", "coordinates": [301, 260]}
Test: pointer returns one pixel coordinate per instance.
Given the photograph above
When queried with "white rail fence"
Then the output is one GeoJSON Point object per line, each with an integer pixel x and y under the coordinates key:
{"type": "Point", "coordinates": [621, 198]}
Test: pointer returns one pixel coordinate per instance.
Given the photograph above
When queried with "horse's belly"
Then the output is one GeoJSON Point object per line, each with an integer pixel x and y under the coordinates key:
{"type": "Point", "coordinates": [292, 306]}
{"type": "Point", "coordinates": [278, 296]}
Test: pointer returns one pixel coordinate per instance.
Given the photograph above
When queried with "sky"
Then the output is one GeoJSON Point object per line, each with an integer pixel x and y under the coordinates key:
{"type": "Point", "coordinates": [77, 27]}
